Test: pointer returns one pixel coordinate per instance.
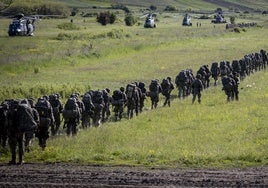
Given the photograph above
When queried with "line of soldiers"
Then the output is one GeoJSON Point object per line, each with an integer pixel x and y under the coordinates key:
{"type": "Point", "coordinates": [21, 120]}
{"type": "Point", "coordinates": [230, 74]}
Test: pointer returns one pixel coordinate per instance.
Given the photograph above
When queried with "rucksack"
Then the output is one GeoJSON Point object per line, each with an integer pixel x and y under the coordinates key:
{"type": "Point", "coordinates": [117, 98]}
{"type": "Point", "coordinates": [130, 91]}
{"type": "Point", "coordinates": [153, 87]}
{"type": "Point", "coordinates": [71, 104]}
{"type": "Point", "coordinates": [42, 106]}
{"type": "Point", "coordinates": [165, 86]}
{"type": "Point", "coordinates": [55, 103]}
{"type": "Point", "coordinates": [87, 100]}
{"type": "Point", "coordinates": [97, 97]}
{"type": "Point", "coordinates": [25, 119]}
{"type": "Point", "coordinates": [71, 109]}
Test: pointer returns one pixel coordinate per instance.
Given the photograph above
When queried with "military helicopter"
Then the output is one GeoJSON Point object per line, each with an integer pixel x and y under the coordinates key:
{"type": "Point", "coordinates": [218, 18]}
{"type": "Point", "coordinates": [186, 20]}
{"type": "Point", "coordinates": [22, 25]}
{"type": "Point", "coordinates": [150, 21]}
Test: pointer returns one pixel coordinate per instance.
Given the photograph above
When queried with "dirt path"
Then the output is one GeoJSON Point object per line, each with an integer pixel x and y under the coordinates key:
{"type": "Point", "coordinates": [65, 175]}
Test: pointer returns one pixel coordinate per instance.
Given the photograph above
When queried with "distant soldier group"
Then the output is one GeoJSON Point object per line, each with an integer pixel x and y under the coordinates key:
{"type": "Point", "coordinates": [22, 120]}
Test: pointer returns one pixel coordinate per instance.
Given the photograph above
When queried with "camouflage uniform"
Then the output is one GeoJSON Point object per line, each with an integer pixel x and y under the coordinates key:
{"type": "Point", "coordinates": [197, 87]}
{"type": "Point", "coordinates": [167, 87]}
{"type": "Point", "coordinates": [3, 123]}
{"type": "Point", "coordinates": [46, 120]}
{"type": "Point", "coordinates": [30, 135]}
{"type": "Point", "coordinates": [154, 89]}
{"type": "Point", "coordinates": [57, 107]}
{"type": "Point", "coordinates": [14, 137]}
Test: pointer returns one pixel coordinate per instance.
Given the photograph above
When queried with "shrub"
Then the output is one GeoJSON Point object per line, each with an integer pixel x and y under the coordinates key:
{"type": "Point", "coordinates": [38, 7]}
{"type": "Point", "coordinates": [232, 19]}
{"type": "Point", "coordinates": [170, 8]}
{"type": "Point", "coordinates": [130, 20]}
{"type": "Point", "coordinates": [106, 18]}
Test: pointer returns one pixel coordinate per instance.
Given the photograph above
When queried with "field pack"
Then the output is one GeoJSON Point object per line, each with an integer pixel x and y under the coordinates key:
{"type": "Point", "coordinates": [130, 91]}
{"type": "Point", "coordinates": [42, 106]}
{"type": "Point", "coordinates": [25, 119]}
{"type": "Point", "coordinates": [71, 109]}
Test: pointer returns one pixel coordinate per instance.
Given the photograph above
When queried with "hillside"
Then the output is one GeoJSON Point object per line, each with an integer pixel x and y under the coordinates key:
{"type": "Point", "coordinates": [242, 5]}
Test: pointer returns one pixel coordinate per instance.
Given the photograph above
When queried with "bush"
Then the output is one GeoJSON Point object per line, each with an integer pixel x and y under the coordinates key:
{"type": "Point", "coordinates": [42, 8]}
{"type": "Point", "coordinates": [232, 20]}
{"type": "Point", "coordinates": [170, 8]}
{"type": "Point", "coordinates": [130, 20]}
{"type": "Point", "coordinates": [106, 18]}
{"type": "Point", "coordinates": [122, 7]}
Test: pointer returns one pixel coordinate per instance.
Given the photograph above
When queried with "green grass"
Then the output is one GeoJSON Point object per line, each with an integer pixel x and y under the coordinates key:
{"type": "Point", "coordinates": [213, 134]}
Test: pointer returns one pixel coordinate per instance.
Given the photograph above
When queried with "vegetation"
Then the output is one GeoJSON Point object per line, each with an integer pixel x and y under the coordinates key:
{"type": "Point", "coordinates": [34, 7]}
{"type": "Point", "coordinates": [106, 18]}
{"type": "Point", "coordinates": [130, 20]}
{"type": "Point", "coordinates": [213, 134]}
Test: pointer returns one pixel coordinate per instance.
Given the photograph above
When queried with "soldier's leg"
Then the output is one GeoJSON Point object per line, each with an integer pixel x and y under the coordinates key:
{"type": "Point", "coordinates": [12, 140]}
{"type": "Point", "coordinates": [20, 145]}
{"type": "Point", "coordinates": [68, 130]}
{"type": "Point", "coordinates": [199, 98]}
{"type": "Point", "coordinates": [74, 128]}
{"type": "Point", "coordinates": [28, 138]}
{"type": "Point", "coordinates": [194, 96]}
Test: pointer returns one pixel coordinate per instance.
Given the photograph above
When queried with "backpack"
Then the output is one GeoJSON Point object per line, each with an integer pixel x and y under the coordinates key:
{"type": "Point", "coordinates": [42, 107]}
{"type": "Point", "coordinates": [97, 97]}
{"type": "Point", "coordinates": [130, 91]}
{"type": "Point", "coordinates": [71, 110]}
{"type": "Point", "coordinates": [54, 103]}
{"type": "Point", "coordinates": [165, 86]}
{"type": "Point", "coordinates": [25, 118]}
{"type": "Point", "coordinates": [117, 98]}
{"type": "Point", "coordinates": [153, 87]}
{"type": "Point", "coordinates": [87, 100]}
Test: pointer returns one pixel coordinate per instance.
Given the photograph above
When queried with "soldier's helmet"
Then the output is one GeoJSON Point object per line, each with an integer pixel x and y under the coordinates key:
{"type": "Point", "coordinates": [122, 89]}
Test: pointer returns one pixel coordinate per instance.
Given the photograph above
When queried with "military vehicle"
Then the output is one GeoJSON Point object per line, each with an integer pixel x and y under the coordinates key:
{"type": "Point", "coordinates": [218, 18]}
{"type": "Point", "coordinates": [150, 21]}
{"type": "Point", "coordinates": [186, 20]}
{"type": "Point", "coordinates": [22, 25]}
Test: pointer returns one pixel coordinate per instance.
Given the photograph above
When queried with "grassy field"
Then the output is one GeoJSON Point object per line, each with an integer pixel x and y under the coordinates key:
{"type": "Point", "coordinates": [213, 134]}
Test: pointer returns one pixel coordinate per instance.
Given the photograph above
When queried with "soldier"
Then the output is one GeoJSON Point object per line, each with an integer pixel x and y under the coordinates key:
{"type": "Point", "coordinates": [14, 138]}
{"type": "Point", "coordinates": [167, 87]}
{"type": "Point", "coordinates": [89, 108]}
{"type": "Point", "coordinates": [107, 101]}
{"type": "Point", "coordinates": [57, 107]}
{"type": "Point", "coordinates": [71, 115]}
{"type": "Point", "coordinates": [141, 86]}
{"type": "Point", "coordinates": [235, 85]}
{"type": "Point", "coordinates": [118, 100]}
{"type": "Point", "coordinates": [154, 90]}
{"type": "Point", "coordinates": [3, 123]}
{"type": "Point", "coordinates": [30, 135]}
{"type": "Point", "coordinates": [197, 88]}
{"type": "Point", "coordinates": [46, 116]}
{"type": "Point", "coordinates": [21, 120]}
{"type": "Point", "coordinates": [132, 99]}
{"type": "Point", "coordinates": [228, 87]}
{"type": "Point", "coordinates": [98, 102]}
